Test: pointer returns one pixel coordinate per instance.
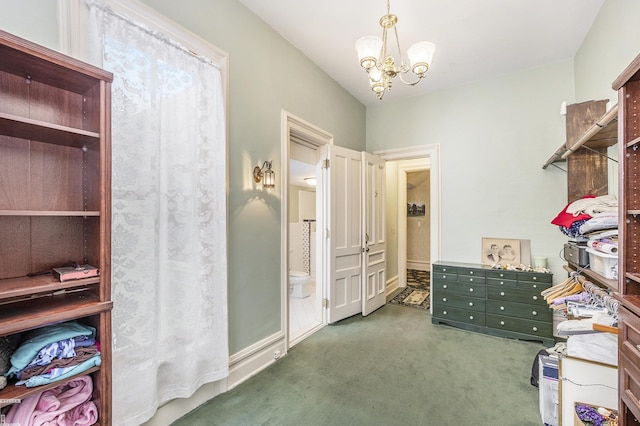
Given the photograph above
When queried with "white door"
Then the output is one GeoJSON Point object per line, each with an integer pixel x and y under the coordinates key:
{"type": "Point", "coordinates": [343, 233]}
{"type": "Point", "coordinates": [374, 244]}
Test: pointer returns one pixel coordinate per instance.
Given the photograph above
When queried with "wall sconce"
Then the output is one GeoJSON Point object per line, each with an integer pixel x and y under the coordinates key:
{"type": "Point", "coordinates": [265, 174]}
{"type": "Point", "coordinates": [310, 181]}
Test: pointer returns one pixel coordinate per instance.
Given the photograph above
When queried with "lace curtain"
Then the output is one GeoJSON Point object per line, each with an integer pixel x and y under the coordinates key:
{"type": "Point", "coordinates": [169, 280]}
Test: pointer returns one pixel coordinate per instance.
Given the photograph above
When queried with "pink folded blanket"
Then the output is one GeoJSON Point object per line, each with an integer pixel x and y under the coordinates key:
{"type": "Point", "coordinates": [65, 405]}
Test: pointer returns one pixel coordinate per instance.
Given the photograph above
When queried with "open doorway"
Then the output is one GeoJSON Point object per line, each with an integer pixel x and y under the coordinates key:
{"type": "Point", "coordinates": [304, 281]}
{"type": "Point", "coordinates": [422, 231]}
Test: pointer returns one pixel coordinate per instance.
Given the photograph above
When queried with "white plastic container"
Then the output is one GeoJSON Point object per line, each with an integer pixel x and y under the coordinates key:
{"type": "Point", "coordinates": [603, 263]}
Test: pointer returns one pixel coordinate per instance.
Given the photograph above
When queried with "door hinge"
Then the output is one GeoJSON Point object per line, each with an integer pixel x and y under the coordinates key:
{"type": "Point", "coordinates": [325, 303]}
{"type": "Point", "coordinates": [327, 233]}
{"type": "Point", "coordinates": [325, 164]}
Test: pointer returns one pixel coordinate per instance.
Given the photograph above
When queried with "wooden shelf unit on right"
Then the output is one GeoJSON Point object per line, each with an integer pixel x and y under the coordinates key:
{"type": "Point", "coordinates": [628, 87]}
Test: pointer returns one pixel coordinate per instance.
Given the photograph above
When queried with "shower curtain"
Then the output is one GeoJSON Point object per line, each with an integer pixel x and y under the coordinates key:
{"type": "Point", "coordinates": [169, 216]}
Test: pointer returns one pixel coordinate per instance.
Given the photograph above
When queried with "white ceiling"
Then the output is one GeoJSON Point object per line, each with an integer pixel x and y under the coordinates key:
{"type": "Point", "coordinates": [475, 39]}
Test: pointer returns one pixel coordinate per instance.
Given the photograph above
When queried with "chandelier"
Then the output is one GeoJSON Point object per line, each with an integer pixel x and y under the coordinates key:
{"type": "Point", "coordinates": [381, 67]}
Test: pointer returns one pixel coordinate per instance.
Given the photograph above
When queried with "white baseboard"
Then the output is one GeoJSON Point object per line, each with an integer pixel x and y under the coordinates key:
{"type": "Point", "coordinates": [242, 365]}
{"type": "Point", "coordinates": [392, 285]}
{"type": "Point", "coordinates": [420, 265]}
{"type": "Point", "coordinates": [252, 360]}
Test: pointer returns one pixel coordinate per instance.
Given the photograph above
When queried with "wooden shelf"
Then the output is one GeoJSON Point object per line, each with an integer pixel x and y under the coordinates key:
{"type": "Point", "coordinates": [22, 58]}
{"type": "Point", "coordinates": [602, 134]}
{"type": "Point", "coordinates": [79, 213]}
{"type": "Point", "coordinates": [13, 288]}
{"type": "Point", "coordinates": [594, 277]}
{"type": "Point", "coordinates": [13, 393]}
{"type": "Point", "coordinates": [30, 314]}
{"type": "Point", "coordinates": [26, 128]}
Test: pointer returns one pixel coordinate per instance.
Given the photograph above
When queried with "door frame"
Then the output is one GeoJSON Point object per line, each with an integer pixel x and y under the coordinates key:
{"type": "Point", "coordinates": [292, 125]}
{"type": "Point", "coordinates": [432, 153]}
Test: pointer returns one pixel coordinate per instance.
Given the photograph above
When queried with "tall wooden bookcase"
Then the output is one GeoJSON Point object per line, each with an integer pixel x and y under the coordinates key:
{"type": "Point", "coordinates": [628, 87]}
{"type": "Point", "coordinates": [55, 199]}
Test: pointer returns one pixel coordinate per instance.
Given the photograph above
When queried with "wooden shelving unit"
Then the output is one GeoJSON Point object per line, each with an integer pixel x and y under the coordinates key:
{"type": "Point", "coordinates": [628, 87]}
{"type": "Point", "coordinates": [55, 199]}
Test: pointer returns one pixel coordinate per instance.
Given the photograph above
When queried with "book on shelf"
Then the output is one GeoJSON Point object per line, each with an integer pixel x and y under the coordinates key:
{"type": "Point", "coordinates": [67, 273]}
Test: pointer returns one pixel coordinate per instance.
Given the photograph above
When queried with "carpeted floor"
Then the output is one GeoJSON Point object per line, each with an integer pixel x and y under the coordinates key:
{"type": "Point", "coordinates": [391, 368]}
{"type": "Point", "coordinates": [416, 294]}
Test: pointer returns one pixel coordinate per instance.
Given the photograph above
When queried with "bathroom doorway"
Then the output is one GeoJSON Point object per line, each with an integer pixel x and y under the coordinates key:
{"type": "Point", "coordinates": [304, 283]}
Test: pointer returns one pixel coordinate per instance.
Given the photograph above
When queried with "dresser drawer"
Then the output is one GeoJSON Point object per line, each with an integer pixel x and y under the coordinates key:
{"type": "Point", "coordinates": [501, 282]}
{"type": "Point", "coordinates": [460, 315]}
{"type": "Point", "coordinates": [519, 325]}
{"type": "Point", "coordinates": [516, 295]}
{"type": "Point", "coordinates": [629, 384]}
{"type": "Point", "coordinates": [471, 279]}
{"type": "Point", "coordinates": [444, 276]}
{"type": "Point", "coordinates": [629, 335]}
{"type": "Point", "coordinates": [502, 275]}
{"type": "Point", "coordinates": [535, 277]}
{"type": "Point", "coordinates": [469, 289]}
{"type": "Point", "coordinates": [445, 269]}
{"type": "Point", "coordinates": [533, 285]}
{"type": "Point", "coordinates": [447, 300]}
{"type": "Point", "coordinates": [520, 310]}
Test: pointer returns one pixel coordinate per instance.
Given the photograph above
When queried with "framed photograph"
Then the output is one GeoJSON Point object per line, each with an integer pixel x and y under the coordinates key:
{"type": "Point", "coordinates": [416, 209]}
{"type": "Point", "coordinates": [501, 251]}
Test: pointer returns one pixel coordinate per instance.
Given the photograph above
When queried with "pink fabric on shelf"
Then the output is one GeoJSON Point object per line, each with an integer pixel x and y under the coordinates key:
{"type": "Point", "coordinates": [64, 405]}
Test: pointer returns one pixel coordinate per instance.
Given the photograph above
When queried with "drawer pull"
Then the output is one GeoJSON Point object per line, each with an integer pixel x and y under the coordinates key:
{"type": "Point", "coordinates": [501, 322]}
{"type": "Point", "coordinates": [502, 308]}
{"type": "Point", "coordinates": [444, 276]}
{"type": "Point", "coordinates": [444, 312]}
{"type": "Point", "coordinates": [535, 286]}
{"type": "Point", "coordinates": [470, 303]}
{"type": "Point", "coordinates": [638, 347]}
{"type": "Point", "coordinates": [534, 313]}
{"type": "Point", "coordinates": [501, 282]}
{"type": "Point", "coordinates": [444, 286]}
{"type": "Point", "coordinates": [502, 293]}
{"type": "Point", "coordinates": [471, 317]}
{"type": "Point", "coordinates": [444, 269]}
{"type": "Point", "coordinates": [501, 275]}
{"type": "Point", "coordinates": [535, 328]}
{"type": "Point", "coordinates": [535, 278]}
{"type": "Point", "coordinates": [470, 272]}
{"type": "Point", "coordinates": [471, 289]}
{"type": "Point", "coordinates": [444, 299]}
{"type": "Point", "coordinates": [535, 297]}
{"type": "Point", "coordinates": [470, 280]}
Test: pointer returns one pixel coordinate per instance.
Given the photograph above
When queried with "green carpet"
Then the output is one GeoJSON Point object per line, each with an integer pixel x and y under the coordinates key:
{"type": "Point", "coordinates": [391, 368]}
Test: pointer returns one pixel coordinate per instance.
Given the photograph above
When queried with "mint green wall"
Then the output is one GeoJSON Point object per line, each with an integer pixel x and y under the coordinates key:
{"type": "Point", "coordinates": [266, 75]}
{"type": "Point", "coordinates": [494, 136]}
{"type": "Point", "coordinates": [611, 44]}
{"type": "Point", "coordinates": [35, 20]}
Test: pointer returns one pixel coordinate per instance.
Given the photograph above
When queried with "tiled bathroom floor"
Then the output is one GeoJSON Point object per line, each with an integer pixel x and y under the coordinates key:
{"type": "Point", "coordinates": [303, 313]}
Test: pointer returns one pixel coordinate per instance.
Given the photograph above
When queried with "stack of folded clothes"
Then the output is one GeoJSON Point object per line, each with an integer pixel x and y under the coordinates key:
{"type": "Point", "coordinates": [55, 352]}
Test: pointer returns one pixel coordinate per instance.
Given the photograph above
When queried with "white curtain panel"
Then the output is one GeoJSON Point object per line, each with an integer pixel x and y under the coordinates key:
{"type": "Point", "coordinates": [169, 247]}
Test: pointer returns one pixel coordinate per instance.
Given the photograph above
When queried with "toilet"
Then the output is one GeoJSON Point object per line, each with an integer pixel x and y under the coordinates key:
{"type": "Point", "coordinates": [298, 281]}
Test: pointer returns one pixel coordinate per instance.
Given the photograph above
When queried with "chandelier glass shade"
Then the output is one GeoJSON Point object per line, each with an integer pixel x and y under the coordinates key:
{"type": "Point", "coordinates": [381, 67]}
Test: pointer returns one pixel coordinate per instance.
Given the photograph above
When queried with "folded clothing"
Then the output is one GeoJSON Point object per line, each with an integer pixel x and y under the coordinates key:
{"type": "Point", "coordinates": [67, 404]}
{"type": "Point", "coordinates": [593, 206]}
{"type": "Point", "coordinates": [34, 341]}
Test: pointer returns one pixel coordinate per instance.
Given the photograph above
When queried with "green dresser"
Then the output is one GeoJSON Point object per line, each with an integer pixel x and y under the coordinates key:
{"type": "Point", "coordinates": [492, 301]}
